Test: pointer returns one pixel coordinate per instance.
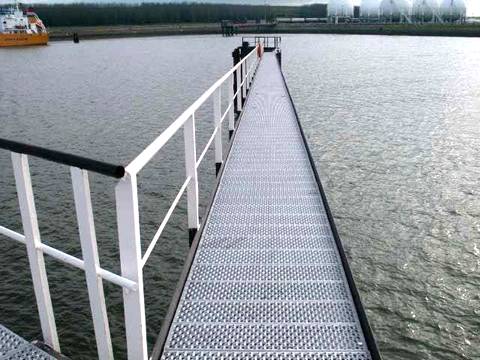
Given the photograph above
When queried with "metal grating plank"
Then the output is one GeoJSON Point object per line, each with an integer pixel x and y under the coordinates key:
{"type": "Point", "coordinates": [325, 337]}
{"type": "Point", "coordinates": [255, 273]}
{"type": "Point", "coordinates": [294, 291]}
{"type": "Point", "coordinates": [276, 230]}
{"type": "Point", "coordinates": [13, 347]}
{"type": "Point", "coordinates": [268, 312]}
{"type": "Point", "coordinates": [267, 282]}
{"type": "Point", "coordinates": [277, 355]}
{"type": "Point", "coordinates": [9, 341]}
{"type": "Point", "coordinates": [269, 241]}
{"type": "Point", "coordinates": [259, 218]}
{"type": "Point", "coordinates": [267, 256]}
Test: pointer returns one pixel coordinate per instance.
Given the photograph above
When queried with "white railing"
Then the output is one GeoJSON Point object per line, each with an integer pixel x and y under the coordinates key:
{"type": "Point", "coordinates": [131, 258]}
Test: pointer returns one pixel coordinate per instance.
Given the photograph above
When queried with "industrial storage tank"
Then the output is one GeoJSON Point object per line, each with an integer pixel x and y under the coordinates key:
{"type": "Point", "coordinates": [425, 10]}
{"type": "Point", "coordinates": [342, 8]}
{"type": "Point", "coordinates": [453, 10]}
{"type": "Point", "coordinates": [395, 10]}
{"type": "Point", "coordinates": [369, 8]}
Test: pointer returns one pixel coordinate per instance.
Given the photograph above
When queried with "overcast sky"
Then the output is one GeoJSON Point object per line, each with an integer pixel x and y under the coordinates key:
{"type": "Point", "coordinates": [473, 6]}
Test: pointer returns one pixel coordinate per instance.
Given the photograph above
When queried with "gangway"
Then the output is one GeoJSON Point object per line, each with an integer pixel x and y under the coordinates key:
{"type": "Point", "coordinates": [269, 278]}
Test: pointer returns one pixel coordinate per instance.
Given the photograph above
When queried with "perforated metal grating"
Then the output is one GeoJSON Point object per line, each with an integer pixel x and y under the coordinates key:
{"type": "Point", "coordinates": [255, 355]}
{"type": "Point", "coordinates": [267, 282]}
{"type": "Point", "coordinates": [13, 347]}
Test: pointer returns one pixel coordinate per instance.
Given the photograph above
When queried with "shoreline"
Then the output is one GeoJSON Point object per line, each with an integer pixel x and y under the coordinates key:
{"type": "Point", "coordinates": [120, 31]}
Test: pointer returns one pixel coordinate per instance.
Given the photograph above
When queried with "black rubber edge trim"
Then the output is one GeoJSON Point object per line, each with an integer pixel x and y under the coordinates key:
{"type": "Point", "coordinates": [116, 171]}
{"type": "Point", "coordinates": [362, 316]}
{"type": "Point", "coordinates": [172, 309]}
{"type": "Point", "coordinates": [44, 347]}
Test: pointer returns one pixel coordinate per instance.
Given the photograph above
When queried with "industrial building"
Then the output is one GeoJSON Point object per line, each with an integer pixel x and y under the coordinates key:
{"type": "Point", "coordinates": [397, 11]}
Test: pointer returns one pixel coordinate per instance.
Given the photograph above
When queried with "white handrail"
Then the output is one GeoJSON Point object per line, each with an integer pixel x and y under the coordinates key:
{"type": "Point", "coordinates": [12, 235]}
{"type": "Point", "coordinates": [71, 260]}
{"type": "Point", "coordinates": [137, 164]}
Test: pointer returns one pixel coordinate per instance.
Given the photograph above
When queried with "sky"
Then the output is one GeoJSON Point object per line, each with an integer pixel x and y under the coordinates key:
{"type": "Point", "coordinates": [473, 6]}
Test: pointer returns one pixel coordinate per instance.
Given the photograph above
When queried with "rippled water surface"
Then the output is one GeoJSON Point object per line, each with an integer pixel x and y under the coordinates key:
{"type": "Point", "coordinates": [393, 124]}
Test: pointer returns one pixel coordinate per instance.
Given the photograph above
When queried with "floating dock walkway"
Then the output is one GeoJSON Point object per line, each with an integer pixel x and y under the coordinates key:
{"type": "Point", "coordinates": [266, 277]}
{"type": "Point", "coordinates": [267, 280]}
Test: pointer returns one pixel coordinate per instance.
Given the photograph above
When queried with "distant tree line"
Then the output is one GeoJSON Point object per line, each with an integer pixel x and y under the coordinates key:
{"type": "Point", "coordinates": [166, 13]}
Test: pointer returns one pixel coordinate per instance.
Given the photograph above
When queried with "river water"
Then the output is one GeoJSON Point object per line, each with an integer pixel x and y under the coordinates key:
{"type": "Point", "coordinates": [394, 127]}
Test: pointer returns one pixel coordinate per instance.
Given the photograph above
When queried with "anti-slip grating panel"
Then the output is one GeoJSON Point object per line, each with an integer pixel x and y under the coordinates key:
{"type": "Point", "coordinates": [267, 256]}
{"type": "Point", "coordinates": [259, 199]}
{"type": "Point", "coordinates": [264, 272]}
{"type": "Point", "coordinates": [267, 281]}
{"type": "Point", "coordinates": [216, 290]}
{"type": "Point", "coordinates": [267, 312]}
{"type": "Point", "coordinates": [28, 352]}
{"type": "Point", "coordinates": [271, 355]}
{"type": "Point", "coordinates": [9, 341]}
{"type": "Point", "coordinates": [13, 347]}
{"type": "Point", "coordinates": [243, 241]}
{"type": "Point", "coordinates": [260, 218]}
{"type": "Point", "coordinates": [286, 229]}
{"type": "Point", "coordinates": [270, 209]}
{"type": "Point", "coordinates": [324, 337]}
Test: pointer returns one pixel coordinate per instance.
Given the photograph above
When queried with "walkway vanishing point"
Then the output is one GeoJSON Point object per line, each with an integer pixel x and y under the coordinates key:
{"type": "Point", "coordinates": [266, 277]}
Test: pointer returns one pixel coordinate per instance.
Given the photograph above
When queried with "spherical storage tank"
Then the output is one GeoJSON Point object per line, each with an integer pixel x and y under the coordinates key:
{"type": "Point", "coordinates": [425, 9]}
{"type": "Point", "coordinates": [340, 8]}
{"type": "Point", "coordinates": [394, 9]}
{"type": "Point", "coordinates": [369, 8]}
{"type": "Point", "coordinates": [453, 10]}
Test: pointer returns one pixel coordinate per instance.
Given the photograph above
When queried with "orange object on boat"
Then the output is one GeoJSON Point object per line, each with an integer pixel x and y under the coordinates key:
{"type": "Point", "coordinates": [259, 50]}
{"type": "Point", "coordinates": [23, 39]}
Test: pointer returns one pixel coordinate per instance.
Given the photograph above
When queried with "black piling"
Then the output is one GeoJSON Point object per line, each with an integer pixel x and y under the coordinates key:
{"type": "Point", "coordinates": [278, 54]}
{"type": "Point", "coordinates": [191, 236]}
{"type": "Point", "coordinates": [76, 38]}
{"type": "Point", "coordinates": [236, 59]}
{"type": "Point", "coordinates": [228, 28]}
{"type": "Point", "coordinates": [244, 50]}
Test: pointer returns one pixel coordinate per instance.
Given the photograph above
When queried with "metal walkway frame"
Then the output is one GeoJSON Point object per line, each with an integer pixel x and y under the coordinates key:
{"type": "Point", "coordinates": [293, 298]}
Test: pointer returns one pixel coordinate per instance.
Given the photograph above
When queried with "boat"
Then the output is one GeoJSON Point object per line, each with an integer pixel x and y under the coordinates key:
{"type": "Point", "coordinates": [21, 28]}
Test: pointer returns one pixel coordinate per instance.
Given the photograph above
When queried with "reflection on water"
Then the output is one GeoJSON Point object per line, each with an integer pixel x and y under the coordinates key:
{"type": "Point", "coordinates": [393, 123]}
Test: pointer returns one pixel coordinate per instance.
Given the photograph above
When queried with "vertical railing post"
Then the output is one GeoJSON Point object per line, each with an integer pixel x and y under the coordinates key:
{"type": "Point", "coordinates": [250, 73]}
{"type": "Point", "coordinates": [236, 60]}
{"type": "Point", "coordinates": [252, 69]}
{"type": "Point", "coordinates": [239, 89]}
{"type": "Point", "coordinates": [254, 61]}
{"type": "Point", "coordinates": [35, 255]}
{"type": "Point", "coordinates": [217, 114]}
{"type": "Point", "coordinates": [244, 79]}
{"type": "Point", "coordinates": [247, 76]}
{"type": "Point", "coordinates": [86, 227]}
{"type": "Point", "coordinates": [191, 171]}
{"type": "Point", "coordinates": [231, 101]}
{"type": "Point", "coordinates": [131, 265]}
